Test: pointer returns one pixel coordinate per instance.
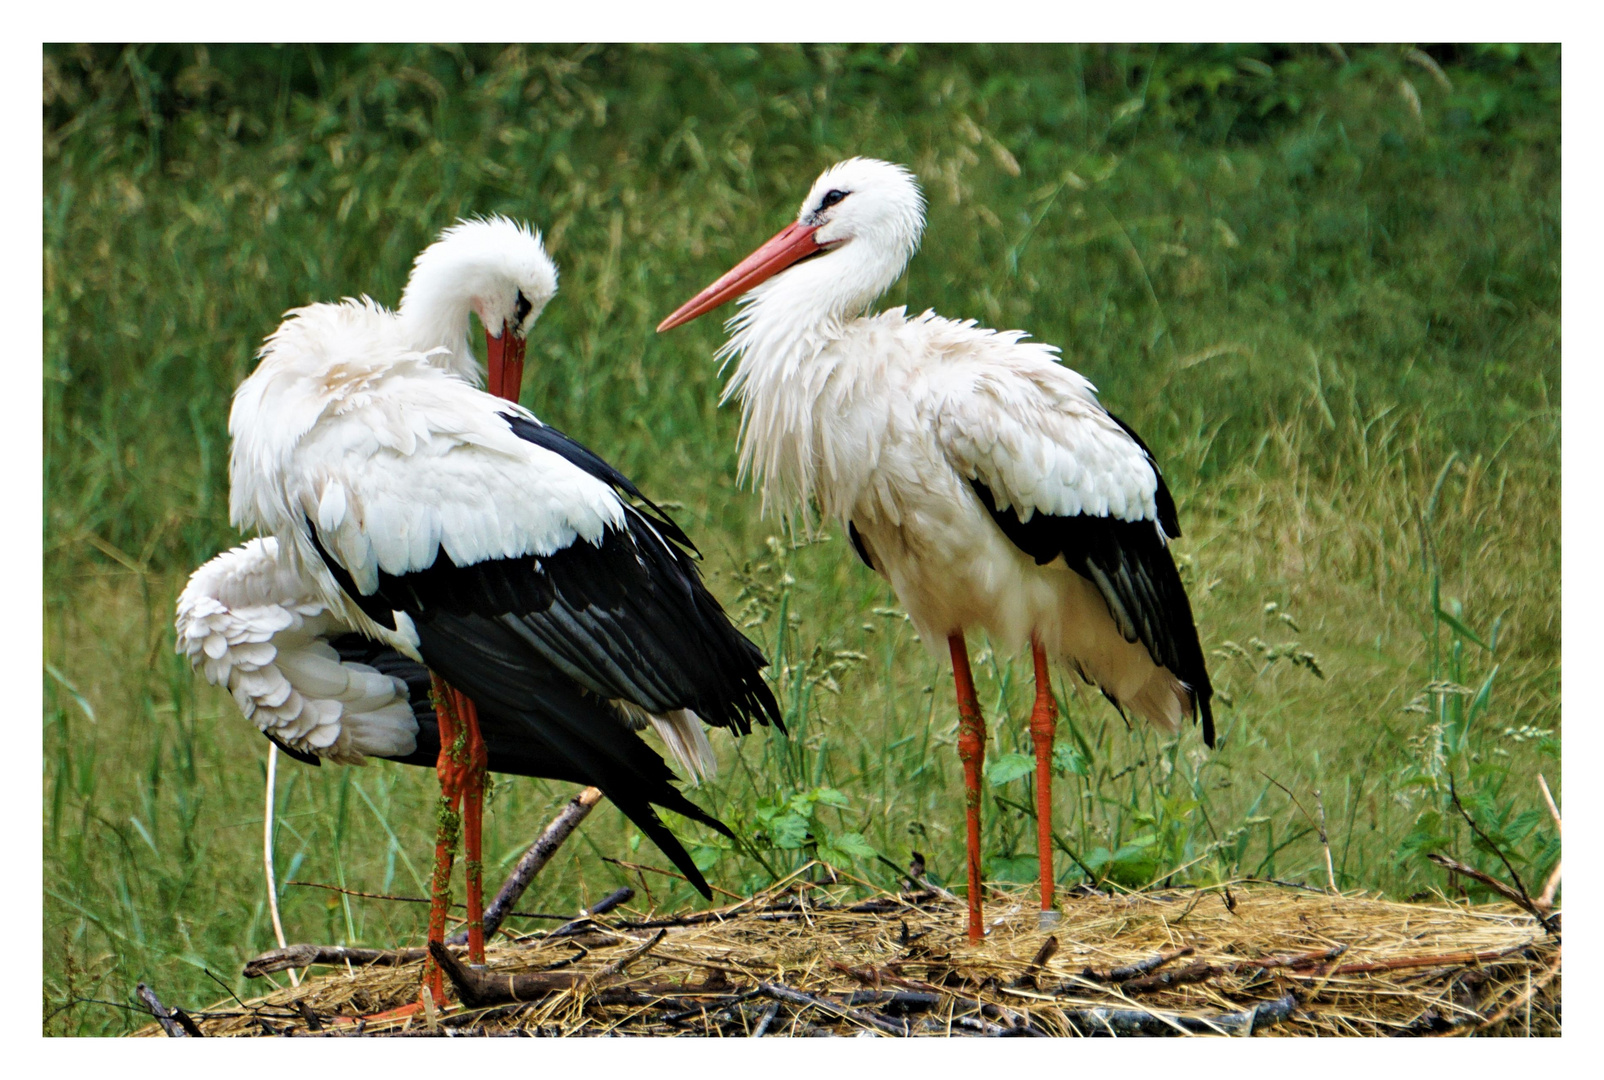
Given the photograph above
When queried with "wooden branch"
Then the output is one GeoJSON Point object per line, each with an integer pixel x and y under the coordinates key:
{"type": "Point", "coordinates": [477, 989]}
{"type": "Point", "coordinates": [1525, 900]}
{"type": "Point", "coordinates": [1441, 960]}
{"type": "Point", "coordinates": [1141, 967]}
{"type": "Point", "coordinates": [533, 861]}
{"type": "Point", "coordinates": [1457, 867]}
{"type": "Point", "coordinates": [668, 873]}
{"type": "Point", "coordinates": [159, 1011]}
{"type": "Point", "coordinates": [1546, 900]}
{"type": "Point", "coordinates": [1201, 971]}
{"type": "Point", "coordinates": [586, 920]}
{"type": "Point", "coordinates": [617, 966]}
{"type": "Point", "coordinates": [765, 1020]}
{"type": "Point", "coordinates": [1101, 1021]}
{"type": "Point", "coordinates": [781, 992]}
{"type": "Point", "coordinates": [1325, 843]}
{"type": "Point", "coordinates": [1553, 810]}
{"type": "Point", "coordinates": [296, 956]}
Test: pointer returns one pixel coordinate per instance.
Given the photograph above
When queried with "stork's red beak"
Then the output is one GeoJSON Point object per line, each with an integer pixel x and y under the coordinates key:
{"type": "Point", "coordinates": [505, 361]}
{"type": "Point", "coordinates": [792, 243]}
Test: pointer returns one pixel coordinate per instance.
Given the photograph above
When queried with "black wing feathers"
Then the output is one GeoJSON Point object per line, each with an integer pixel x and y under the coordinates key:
{"type": "Point", "coordinates": [542, 643]}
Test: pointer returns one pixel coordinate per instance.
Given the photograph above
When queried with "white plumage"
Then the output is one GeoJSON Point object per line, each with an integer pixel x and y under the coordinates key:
{"type": "Point", "coordinates": [254, 626]}
{"type": "Point", "coordinates": [978, 475]}
{"type": "Point", "coordinates": [365, 429]}
{"type": "Point", "coordinates": [884, 420]}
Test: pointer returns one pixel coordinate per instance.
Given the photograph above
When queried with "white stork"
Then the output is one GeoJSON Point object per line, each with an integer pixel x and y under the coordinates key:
{"type": "Point", "coordinates": [398, 500]}
{"type": "Point", "coordinates": [969, 468]}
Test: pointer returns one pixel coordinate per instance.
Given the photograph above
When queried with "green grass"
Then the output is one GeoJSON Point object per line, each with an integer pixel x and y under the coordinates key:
{"type": "Point", "coordinates": [1325, 289]}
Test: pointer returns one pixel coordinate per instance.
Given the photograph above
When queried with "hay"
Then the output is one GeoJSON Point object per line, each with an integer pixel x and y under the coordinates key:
{"type": "Point", "coordinates": [812, 959]}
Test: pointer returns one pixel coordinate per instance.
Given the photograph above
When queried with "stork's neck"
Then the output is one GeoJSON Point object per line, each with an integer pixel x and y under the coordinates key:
{"type": "Point", "coordinates": [785, 362]}
{"type": "Point", "coordinates": [439, 320]}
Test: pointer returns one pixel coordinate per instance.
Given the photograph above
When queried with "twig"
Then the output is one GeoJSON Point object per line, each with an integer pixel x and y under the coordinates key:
{"type": "Point", "coordinates": [295, 956]}
{"type": "Point", "coordinates": [419, 900]}
{"type": "Point", "coordinates": [267, 851]}
{"type": "Point", "coordinates": [159, 1011]}
{"type": "Point", "coordinates": [1325, 843]}
{"type": "Point", "coordinates": [617, 966]}
{"type": "Point", "coordinates": [313, 1022]}
{"type": "Point", "coordinates": [765, 1020]}
{"type": "Point", "coordinates": [1201, 971]}
{"type": "Point", "coordinates": [533, 861]}
{"type": "Point", "coordinates": [1549, 799]}
{"type": "Point", "coordinates": [1457, 867]}
{"type": "Point", "coordinates": [1401, 963]}
{"type": "Point", "coordinates": [1525, 900]}
{"type": "Point", "coordinates": [667, 873]}
{"type": "Point", "coordinates": [1141, 967]}
{"type": "Point", "coordinates": [587, 917]}
{"type": "Point", "coordinates": [1101, 1021]}
{"type": "Point", "coordinates": [1546, 901]}
{"type": "Point", "coordinates": [780, 992]}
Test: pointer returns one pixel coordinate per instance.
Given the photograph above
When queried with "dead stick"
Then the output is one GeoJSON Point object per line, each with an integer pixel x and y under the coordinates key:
{"type": "Point", "coordinates": [1546, 901]}
{"type": "Point", "coordinates": [294, 956]}
{"type": "Point", "coordinates": [780, 992]}
{"type": "Point", "coordinates": [1141, 967]}
{"type": "Point", "coordinates": [477, 989]}
{"type": "Point", "coordinates": [1488, 880]}
{"type": "Point", "coordinates": [415, 900]}
{"type": "Point", "coordinates": [533, 861]}
{"type": "Point", "coordinates": [1325, 842]}
{"type": "Point", "coordinates": [617, 967]}
{"type": "Point", "coordinates": [1441, 960]}
{"type": "Point", "coordinates": [586, 917]}
{"type": "Point", "coordinates": [1200, 971]}
{"type": "Point", "coordinates": [765, 1020]}
{"type": "Point", "coordinates": [669, 873]}
{"type": "Point", "coordinates": [1525, 897]}
{"type": "Point", "coordinates": [159, 1011]}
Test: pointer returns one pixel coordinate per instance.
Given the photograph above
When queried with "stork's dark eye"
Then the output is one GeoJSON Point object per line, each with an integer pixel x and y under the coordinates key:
{"type": "Point", "coordinates": [521, 309]}
{"type": "Point", "coordinates": [831, 198]}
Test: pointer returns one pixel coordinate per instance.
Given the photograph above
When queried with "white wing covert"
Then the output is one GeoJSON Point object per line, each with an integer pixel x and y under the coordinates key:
{"type": "Point", "coordinates": [255, 627]}
{"type": "Point", "coordinates": [1035, 435]}
{"type": "Point", "coordinates": [432, 465]}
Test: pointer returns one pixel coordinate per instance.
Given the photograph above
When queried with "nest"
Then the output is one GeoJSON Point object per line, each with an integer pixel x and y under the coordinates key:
{"type": "Point", "coordinates": [810, 958]}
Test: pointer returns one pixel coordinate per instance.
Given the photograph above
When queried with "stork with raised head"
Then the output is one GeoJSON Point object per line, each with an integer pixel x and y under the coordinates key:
{"type": "Point", "coordinates": [968, 467]}
{"type": "Point", "coordinates": [557, 607]}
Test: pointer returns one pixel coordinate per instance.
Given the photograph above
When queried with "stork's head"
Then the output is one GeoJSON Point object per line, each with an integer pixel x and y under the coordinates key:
{"type": "Point", "coordinates": [856, 230]}
{"type": "Point", "coordinates": [495, 268]}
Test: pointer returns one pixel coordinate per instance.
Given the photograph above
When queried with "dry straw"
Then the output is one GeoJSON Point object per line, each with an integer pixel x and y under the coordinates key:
{"type": "Point", "coordinates": [813, 958]}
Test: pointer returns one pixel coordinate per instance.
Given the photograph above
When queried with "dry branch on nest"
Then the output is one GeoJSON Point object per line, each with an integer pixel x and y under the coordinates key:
{"type": "Point", "coordinates": [810, 958]}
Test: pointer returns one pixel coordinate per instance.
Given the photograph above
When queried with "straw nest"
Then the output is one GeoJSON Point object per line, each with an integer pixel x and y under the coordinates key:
{"type": "Point", "coordinates": [809, 958]}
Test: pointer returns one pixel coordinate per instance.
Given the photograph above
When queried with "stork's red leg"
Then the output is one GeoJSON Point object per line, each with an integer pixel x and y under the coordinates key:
{"type": "Point", "coordinates": [449, 819]}
{"type": "Point", "coordinates": [1043, 722]}
{"type": "Point", "coordinates": [972, 752]}
{"type": "Point", "coordinates": [473, 802]}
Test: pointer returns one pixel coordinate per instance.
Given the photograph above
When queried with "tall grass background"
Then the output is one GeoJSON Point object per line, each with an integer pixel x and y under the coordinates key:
{"type": "Point", "coordinates": [1322, 282]}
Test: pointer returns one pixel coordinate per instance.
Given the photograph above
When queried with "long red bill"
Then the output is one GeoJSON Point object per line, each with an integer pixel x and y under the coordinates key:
{"type": "Point", "coordinates": [504, 361]}
{"type": "Point", "coordinates": [792, 243]}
